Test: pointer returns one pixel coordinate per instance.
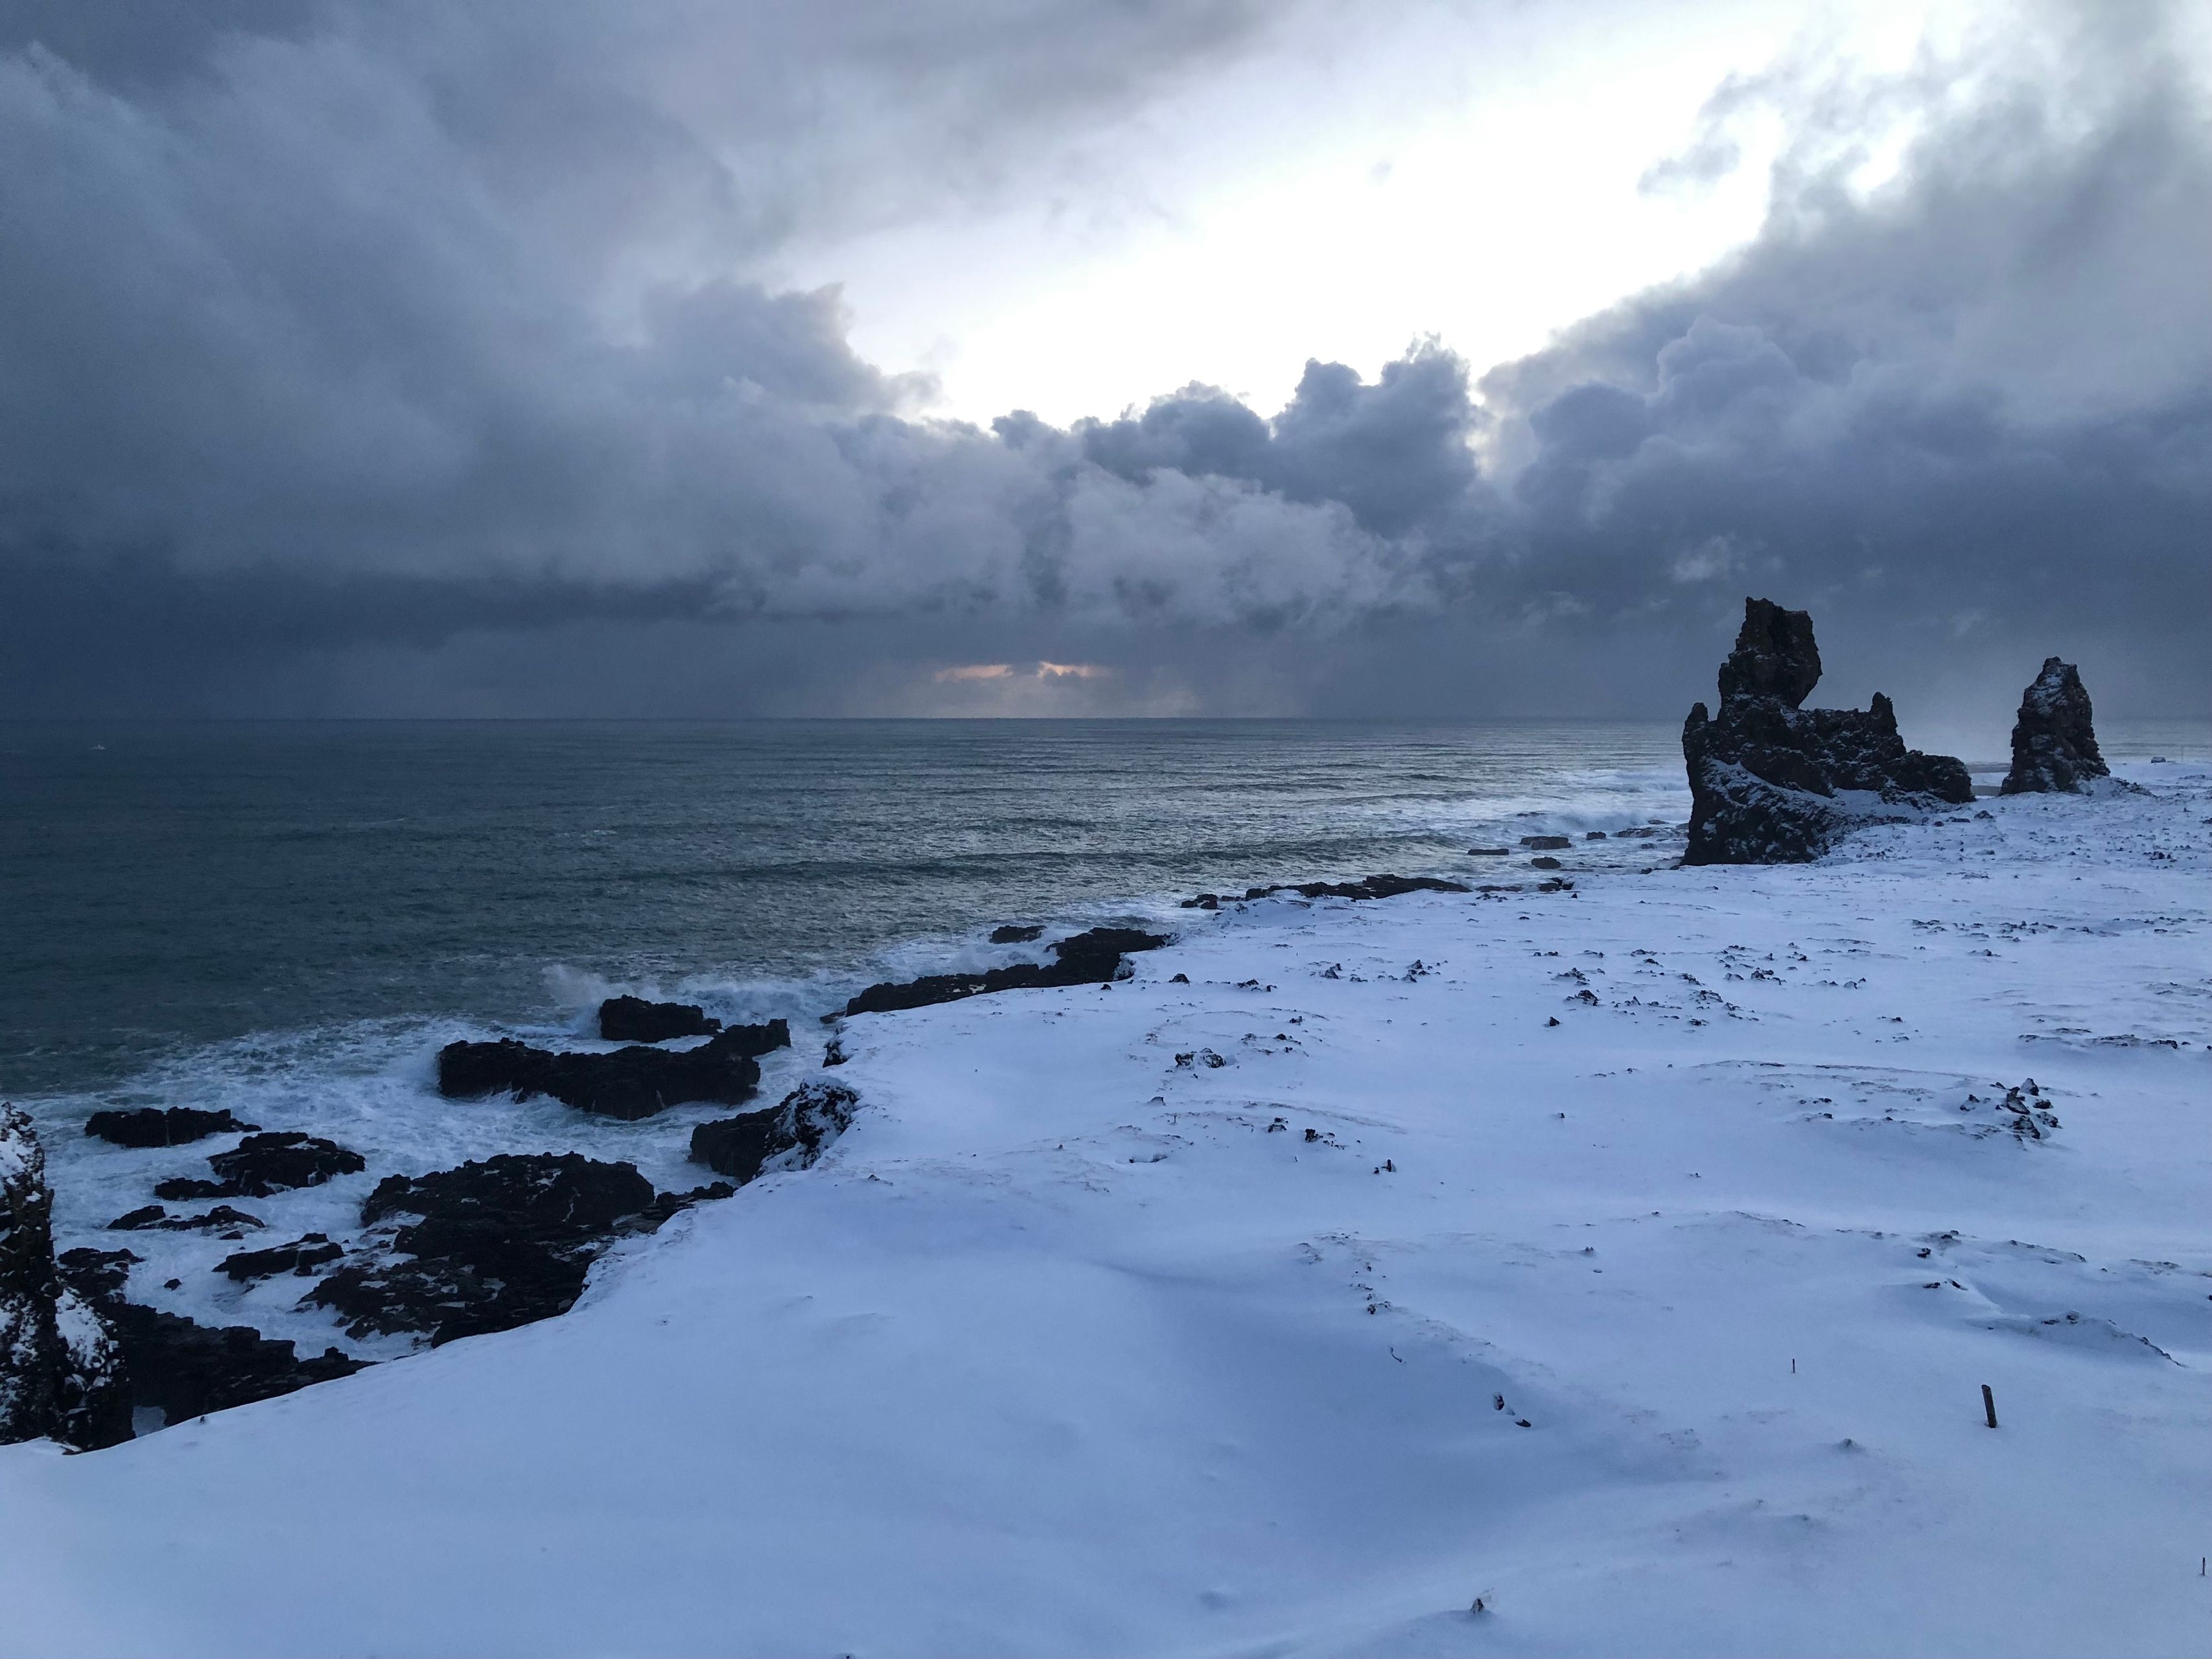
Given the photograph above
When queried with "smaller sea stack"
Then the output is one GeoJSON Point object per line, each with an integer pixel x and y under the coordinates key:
{"type": "Point", "coordinates": [2054, 746]}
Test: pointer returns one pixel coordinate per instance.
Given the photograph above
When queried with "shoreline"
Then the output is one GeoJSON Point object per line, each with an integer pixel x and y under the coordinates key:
{"type": "Point", "coordinates": [1064, 1347]}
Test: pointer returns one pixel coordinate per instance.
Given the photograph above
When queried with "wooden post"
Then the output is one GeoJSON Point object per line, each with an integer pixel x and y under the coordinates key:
{"type": "Point", "coordinates": [1989, 1404]}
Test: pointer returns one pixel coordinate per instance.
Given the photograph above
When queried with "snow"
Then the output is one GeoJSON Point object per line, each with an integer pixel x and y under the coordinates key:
{"type": "Point", "coordinates": [1065, 1348]}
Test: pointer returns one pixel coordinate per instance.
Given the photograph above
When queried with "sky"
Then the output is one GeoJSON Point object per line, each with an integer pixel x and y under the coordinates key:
{"type": "Point", "coordinates": [1396, 358]}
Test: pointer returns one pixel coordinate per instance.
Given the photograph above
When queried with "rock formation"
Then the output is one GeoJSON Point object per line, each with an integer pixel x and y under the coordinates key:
{"type": "Point", "coordinates": [633, 1019]}
{"type": "Point", "coordinates": [808, 1119]}
{"type": "Point", "coordinates": [1088, 958]}
{"type": "Point", "coordinates": [150, 1126]}
{"type": "Point", "coordinates": [1371, 887]}
{"type": "Point", "coordinates": [2054, 747]}
{"type": "Point", "coordinates": [61, 1368]}
{"type": "Point", "coordinates": [628, 1083]}
{"type": "Point", "coordinates": [261, 1165]}
{"type": "Point", "coordinates": [494, 1243]}
{"type": "Point", "coordinates": [1771, 782]}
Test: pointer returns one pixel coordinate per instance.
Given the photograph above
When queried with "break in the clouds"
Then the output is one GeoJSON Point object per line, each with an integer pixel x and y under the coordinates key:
{"type": "Point", "coordinates": [400, 357]}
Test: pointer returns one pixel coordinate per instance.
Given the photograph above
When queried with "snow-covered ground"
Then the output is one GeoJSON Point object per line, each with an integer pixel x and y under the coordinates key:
{"type": "Point", "coordinates": [1661, 1329]}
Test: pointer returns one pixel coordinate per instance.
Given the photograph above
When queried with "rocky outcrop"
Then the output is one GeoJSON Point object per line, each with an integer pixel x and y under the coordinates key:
{"type": "Point", "coordinates": [1087, 958]}
{"type": "Point", "coordinates": [1771, 782]}
{"type": "Point", "coordinates": [1372, 887]}
{"type": "Point", "coordinates": [1017, 932]}
{"type": "Point", "coordinates": [487, 1246]}
{"type": "Point", "coordinates": [261, 1165]}
{"type": "Point", "coordinates": [61, 1367]}
{"type": "Point", "coordinates": [151, 1126]}
{"type": "Point", "coordinates": [301, 1256]}
{"type": "Point", "coordinates": [628, 1083]}
{"type": "Point", "coordinates": [792, 1133]}
{"type": "Point", "coordinates": [153, 1215]}
{"type": "Point", "coordinates": [633, 1019]}
{"type": "Point", "coordinates": [2054, 746]}
{"type": "Point", "coordinates": [183, 1369]}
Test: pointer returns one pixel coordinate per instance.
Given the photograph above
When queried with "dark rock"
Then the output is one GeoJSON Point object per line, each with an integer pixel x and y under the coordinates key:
{"type": "Point", "coordinates": [153, 1215]}
{"type": "Point", "coordinates": [1766, 775]}
{"type": "Point", "coordinates": [264, 1164]}
{"type": "Point", "coordinates": [633, 1019]}
{"type": "Point", "coordinates": [61, 1367]}
{"type": "Point", "coordinates": [1594, 835]}
{"type": "Point", "coordinates": [808, 1119]}
{"type": "Point", "coordinates": [1546, 843]}
{"type": "Point", "coordinates": [2054, 746]}
{"type": "Point", "coordinates": [152, 1126]}
{"type": "Point", "coordinates": [655, 1215]}
{"type": "Point", "coordinates": [185, 1370]}
{"type": "Point", "coordinates": [1087, 958]}
{"type": "Point", "coordinates": [628, 1083]}
{"type": "Point", "coordinates": [499, 1244]}
{"type": "Point", "coordinates": [1489, 852]}
{"type": "Point", "coordinates": [1373, 887]}
{"type": "Point", "coordinates": [1013, 933]}
{"type": "Point", "coordinates": [1544, 864]}
{"type": "Point", "coordinates": [98, 1276]}
{"type": "Point", "coordinates": [303, 1256]}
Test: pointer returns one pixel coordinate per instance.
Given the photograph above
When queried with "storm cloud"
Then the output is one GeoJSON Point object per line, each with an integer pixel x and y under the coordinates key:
{"type": "Point", "coordinates": [361, 359]}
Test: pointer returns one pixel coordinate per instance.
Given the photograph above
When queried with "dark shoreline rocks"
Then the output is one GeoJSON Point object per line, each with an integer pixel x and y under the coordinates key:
{"type": "Point", "coordinates": [153, 1215]}
{"type": "Point", "coordinates": [629, 1084]}
{"type": "Point", "coordinates": [633, 1019]}
{"type": "Point", "coordinates": [806, 1120]}
{"type": "Point", "coordinates": [494, 1243]}
{"type": "Point", "coordinates": [1372, 887]}
{"type": "Point", "coordinates": [152, 1126]}
{"type": "Point", "coordinates": [61, 1367]}
{"type": "Point", "coordinates": [1092, 957]}
{"type": "Point", "coordinates": [262, 1164]}
{"type": "Point", "coordinates": [1765, 774]}
{"type": "Point", "coordinates": [2054, 741]}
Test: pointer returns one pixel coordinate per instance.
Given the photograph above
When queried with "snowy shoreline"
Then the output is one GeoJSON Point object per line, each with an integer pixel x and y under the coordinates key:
{"type": "Point", "coordinates": [1066, 1348]}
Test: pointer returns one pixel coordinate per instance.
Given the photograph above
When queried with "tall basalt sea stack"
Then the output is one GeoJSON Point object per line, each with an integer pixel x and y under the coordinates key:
{"type": "Point", "coordinates": [61, 1371]}
{"type": "Point", "coordinates": [1771, 782]}
{"type": "Point", "coordinates": [2054, 747]}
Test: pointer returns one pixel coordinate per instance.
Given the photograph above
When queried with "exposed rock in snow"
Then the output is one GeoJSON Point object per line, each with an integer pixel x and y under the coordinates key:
{"type": "Point", "coordinates": [2054, 746]}
{"type": "Point", "coordinates": [61, 1371]}
{"type": "Point", "coordinates": [1371, 887]}
{"type": "Point", "coordinates": [633, 1019]}
{"type": "Point", "coordinates": [151, 1126]}
{"type": "Point", "coordinates": [1774, 783]}
{"type": "Point", "coordinates": [499, 1244]}
{"type": "Point", "coordinates": [1087, 958]}
{"type": "Point", "coordinates": [261, 1165]}
{"type": "Point", "coordinates": [628, 1083]}
{"type": "Point", "coordinates": [791, 1134]}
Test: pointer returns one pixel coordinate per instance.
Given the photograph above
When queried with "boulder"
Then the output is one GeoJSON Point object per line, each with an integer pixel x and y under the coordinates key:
{"type": "Point", "coordinates": [493, 1244]}
{"type": "Point", "coordinates": [151, 1126]}
{"type": "Point", "coordinates": [1093, 957]}
{"type": "Point", "coordinates": [1774, 783]}
{"type": "Point", "coordinates": [61, 1367]}
{"type": "Point", "coordinates": [1017, 934]}
{"type": "Point", "coordinates": [1546, 843]}
{"type": "Point", "coordinates": [2054, 746]}
{"type": "Point", "coordinates": [628, 1083]}
{"type": "Point", "coordinates": [792, 1133]}
{"type": "Point", "coordinates": [633, 1019]}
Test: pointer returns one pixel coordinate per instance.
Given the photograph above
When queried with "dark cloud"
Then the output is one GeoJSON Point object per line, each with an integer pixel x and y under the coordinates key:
{"type": "Point", "coordinates": [356, 358]}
